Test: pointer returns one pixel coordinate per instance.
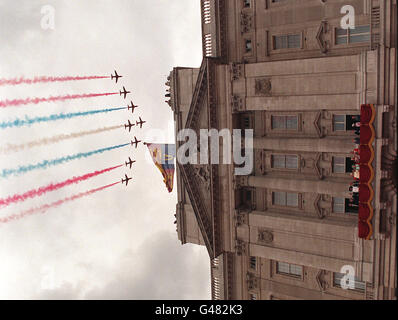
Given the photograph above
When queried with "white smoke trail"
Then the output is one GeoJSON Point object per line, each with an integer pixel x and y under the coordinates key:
{"type": "Point", "coordinates": [9, 148]}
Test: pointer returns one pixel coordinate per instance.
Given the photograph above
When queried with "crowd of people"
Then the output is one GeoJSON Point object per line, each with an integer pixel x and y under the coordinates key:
{"type": "Point", "coordinates": [354, 186]}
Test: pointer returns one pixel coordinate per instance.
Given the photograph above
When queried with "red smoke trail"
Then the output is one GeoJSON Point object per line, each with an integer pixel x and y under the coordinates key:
{"type": "Point", "coordinates": [51, 187]}
{"type": "Point", "coordinates": [17, 102]}
{"type": "Point", "coordinates": [22, 80]}
{"type": "Point", "coordinates": [46, 207]}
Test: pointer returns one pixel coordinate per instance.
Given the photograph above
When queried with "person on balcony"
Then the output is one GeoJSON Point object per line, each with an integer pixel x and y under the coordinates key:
{"type": "Point", "coordinates": [353, 189]}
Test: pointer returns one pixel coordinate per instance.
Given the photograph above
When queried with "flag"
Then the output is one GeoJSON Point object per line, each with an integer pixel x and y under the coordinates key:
{"type": "Point", "coordinates": [163, 156]}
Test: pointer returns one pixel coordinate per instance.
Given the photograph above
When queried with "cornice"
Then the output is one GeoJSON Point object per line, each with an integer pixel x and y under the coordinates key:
{"type": "Point", "coordinates": [204, 100]}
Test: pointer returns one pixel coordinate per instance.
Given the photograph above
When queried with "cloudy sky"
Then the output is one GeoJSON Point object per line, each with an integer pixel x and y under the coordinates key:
{"type": "Point", "coordinates": [120, 243]}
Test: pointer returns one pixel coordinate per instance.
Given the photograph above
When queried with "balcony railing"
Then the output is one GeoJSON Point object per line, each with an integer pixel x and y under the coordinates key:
{"type": "Point", "coordinates": [213, 28]}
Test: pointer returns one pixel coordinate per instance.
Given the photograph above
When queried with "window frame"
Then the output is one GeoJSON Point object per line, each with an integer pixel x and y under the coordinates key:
{"type": "Point", "coordinates": [244, 202]}
{"type": "Point", "coordinates": [299, 199]}
{"type": "Point", "coordinates": [338, 285]}
{"type": "Point", "coordinates": [348, 35]}
{"type": "Point", "coordinates": [286, 129]}
{"type": "Point", "coordinates": [253, 261]}
{"type": "Point", "coordinates": [344, 204]}
{"type": "Point", "coordinates": [244, 2]}
{"type": "Point", "coordinates": [248, 50]}
{"type": "Point", "coordinates": [290, 274]}
{"type": "Point", "coordinates": [274, 155]}
{"type": "Point", "coordinates": [346, 130]}
{"type": "Point", "coordinates": [249, 37]}
{"type": "Point", "coordinates": [338, 204]}
{"type": "Point", "coordinates": [344, 165]}
{"type": "Point", "coordinates": [346, 158]}
{"type": "Point", "coordinates": [334, 122]}
{"type": "Point", "coordinates": [292, 33]}
{"type": "Point", "coordinates": [246, 118]}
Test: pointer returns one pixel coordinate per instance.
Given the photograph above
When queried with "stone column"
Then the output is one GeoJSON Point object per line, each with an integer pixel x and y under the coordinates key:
{"type": "Point", "coordinates": [337, 189]}
{"type": "Point", "coordinates": [337, 145]}
{"type": "Point", "coordinates": [339, 230]}
{"type": "Point", "coordinates": [303, 103]}
{"type": "Point", "coordinates": [310, 260]}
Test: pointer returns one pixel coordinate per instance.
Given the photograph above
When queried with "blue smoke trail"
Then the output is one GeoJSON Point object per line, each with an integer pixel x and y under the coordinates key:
{"type": "Point", "coordinates": [60, 116]}
{"type": "Point", "coordinates": [49, 163]}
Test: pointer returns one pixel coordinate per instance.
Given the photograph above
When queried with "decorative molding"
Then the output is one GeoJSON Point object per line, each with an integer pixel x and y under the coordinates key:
{"type": "Point", "coordinates": [241, 247]}
{"type": "Point", "coordinates": [317, 125]}
{"type": "Point", "coordinates": [197, 202]}
{"type": "Point", "coordinates": [237, 71]}
{"type": "Point", "coordinates": [263, 162]}
{"type": "Point", "coordinates": [253, 282]}
{"type": "Point", "coordinates": [241, 181]}
{"type": "Point", "coordinates": [320, 211]}
{"type": "Point", "coordinates": [241, 217]}
{"type": "Point", "coordinates": [204, 101]}
{"type": "Point", "coordinates": [392, 218]}
{"type": "Point", "coordinates": [246, 23]}
{"type": "Point", "coordinates": [263, 87]}
{"type": "Point", "coordinates": [317, 206]}
{"type": "Point", "coordinates": [317, 166]}
{"type": "Point", "coordinates": [265, 236]}
{"type": "Point", "coordinates": [238, 103]}
{"type": "Point", "coordinates": [385, 108]}
{"type": "Point", "coordinates": [302, 163]}
{"type": "Point", "coordinates": [203, 173]}
{"type": "Point", "coordinates": [321, 280]}
{"type": "Point", "coordinates": [321, 35]}
{"type": "Point", "coordinates": [385, 142]}
{"type": "Point", "coordinates": [369, 292]}
{"type": "Point", "coordinates": [198, 97]}
{"type": "Point", "coordinates": [384, 174]}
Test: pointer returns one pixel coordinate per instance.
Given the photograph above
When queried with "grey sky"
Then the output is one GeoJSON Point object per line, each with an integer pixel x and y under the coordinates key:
{"type": "Point", "coordinates": [120, 243]}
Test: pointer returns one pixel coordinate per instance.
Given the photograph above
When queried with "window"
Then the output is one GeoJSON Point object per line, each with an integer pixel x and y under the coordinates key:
{"type": "Point", "coordinates": [289, 269]}
{"type": "Point", "coordinates": [287, 41]}
{"type": "Point", "coordinates": [246, 3]}
{"type": "Point", "coordinates": [247, 198]}
{"type": "Point", "coordinates": [253, 263]}
{"type": "Point", "coordinates": [358, 284]}
{"type": "Point", "coordinates": [284, 122]}
{"type": "Point", "coordinates": [280, 161]}
{"type": "Point", "coordinates": [342, 164]}
{"type": "Point", "coordinates": [357, 35]}
{"type": "Point", "coordinates": [342, 122]}
{"type": "Point", "coordinates": [248, 195]}
{"type": "Point", "coordinates": [338, 165]}
{"type": "Point", "coordinates": [342, 205]}
{"type": "Point", "coordinates": [246, 123]}
{"type": "Point", "coordinates": [285, 199]}
{"type": "Point", "coordinates": [248, 45]}
{"type": "Point", "coordinates": [208, 45]}
{"type": "Point", "coordinates": [339, 205]}
{"type": "Point", "coordinates": [339, 122]}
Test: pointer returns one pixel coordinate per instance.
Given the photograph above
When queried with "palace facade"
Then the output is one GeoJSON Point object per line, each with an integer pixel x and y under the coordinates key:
{"type": "Point", "coordinates": [288, 70]}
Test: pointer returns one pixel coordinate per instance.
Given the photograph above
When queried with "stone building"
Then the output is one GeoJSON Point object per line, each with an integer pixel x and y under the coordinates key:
{"type": "Point", "coordinates": [289, 71]}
